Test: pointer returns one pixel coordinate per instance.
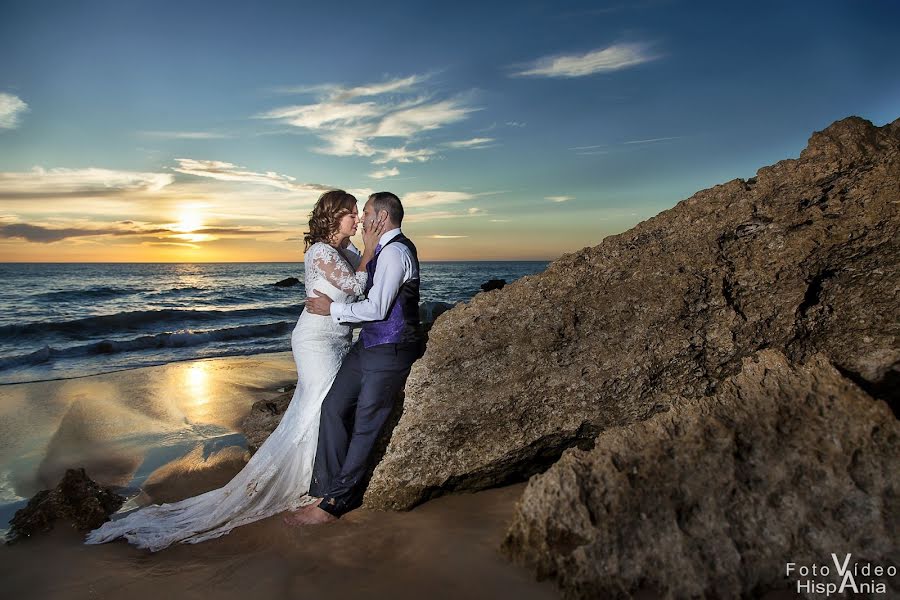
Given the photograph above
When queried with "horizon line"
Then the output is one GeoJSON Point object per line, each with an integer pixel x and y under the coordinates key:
{"type": "Point", "coordinates": [244, 262]}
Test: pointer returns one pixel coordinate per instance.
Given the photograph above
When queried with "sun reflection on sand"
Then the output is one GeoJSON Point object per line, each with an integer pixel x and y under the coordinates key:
{"type": "Point", "coordinates": [197, 388]}
{"type": "Point", "coordinates": [125, 425]}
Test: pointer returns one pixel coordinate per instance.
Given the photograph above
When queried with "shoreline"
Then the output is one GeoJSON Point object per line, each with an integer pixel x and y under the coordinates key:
{"type": "Point", "coordinates": [161, 364]}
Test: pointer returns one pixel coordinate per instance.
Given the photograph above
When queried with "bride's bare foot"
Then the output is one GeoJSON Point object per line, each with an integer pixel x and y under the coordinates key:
{"type": "Point", "coordinates": [308, 515]}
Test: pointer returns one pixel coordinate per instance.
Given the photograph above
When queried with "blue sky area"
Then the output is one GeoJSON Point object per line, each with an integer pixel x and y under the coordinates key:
{"type": "Point", "coordinates": [510, 130]}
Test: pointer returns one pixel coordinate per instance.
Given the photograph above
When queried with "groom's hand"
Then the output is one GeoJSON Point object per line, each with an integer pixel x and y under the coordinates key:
{"type": "Point", "coordinates": [319, 305]}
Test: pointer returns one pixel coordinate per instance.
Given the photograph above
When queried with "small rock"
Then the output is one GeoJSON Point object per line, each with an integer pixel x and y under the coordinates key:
{"type": "Point", "coordinates": [289, 282]}
{"type": "Point", "coordinates": [493, 284]}
{"type": "Point", "coordinates": [77, 498]}
{"type": "Point", "coordinates": [263, 418]}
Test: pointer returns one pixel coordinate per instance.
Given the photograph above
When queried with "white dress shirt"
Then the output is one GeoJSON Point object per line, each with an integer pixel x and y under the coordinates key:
{"type": "Point", "coordinates": [395, 267]}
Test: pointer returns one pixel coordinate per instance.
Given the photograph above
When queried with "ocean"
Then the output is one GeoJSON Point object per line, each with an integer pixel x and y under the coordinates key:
{"type": "Point", "coordinates": [64, 320]}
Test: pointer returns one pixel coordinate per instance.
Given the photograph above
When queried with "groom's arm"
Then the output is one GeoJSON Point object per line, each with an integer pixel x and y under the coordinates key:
{"type": "Point", "coordinates": [394, 268]}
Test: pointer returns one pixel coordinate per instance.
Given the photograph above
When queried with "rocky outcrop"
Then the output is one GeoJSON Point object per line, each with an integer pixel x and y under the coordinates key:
{"type": "Point", "coordinates": [77, 499]}
{"type": "Point", "coordinates": [803, 258]}
{"type": "Point", "coordinates": [493, 284]}
{"type": "Point", "coordinates": [289, 282]}
{"type": "Point", "coordinates": [713, 498]}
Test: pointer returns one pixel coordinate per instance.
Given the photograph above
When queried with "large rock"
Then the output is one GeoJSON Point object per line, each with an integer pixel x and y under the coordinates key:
{"type": "Point", "coordinates": [77, 499]}
{"type": "Point", "coordinates": [802, 258]}
{"type": "Point", "coordinates": [713, 498]}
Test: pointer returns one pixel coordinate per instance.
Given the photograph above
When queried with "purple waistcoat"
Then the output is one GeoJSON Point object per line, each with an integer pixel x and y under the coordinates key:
{"type": "Point", "coordinates": [402, 322]}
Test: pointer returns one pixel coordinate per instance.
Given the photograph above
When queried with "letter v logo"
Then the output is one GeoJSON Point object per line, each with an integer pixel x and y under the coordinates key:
{"type": "Point", "coordinates": [841, 569]}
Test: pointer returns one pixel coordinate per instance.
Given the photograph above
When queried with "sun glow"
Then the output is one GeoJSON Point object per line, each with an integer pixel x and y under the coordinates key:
{"type": "Point", "coordinates": [190, 218]}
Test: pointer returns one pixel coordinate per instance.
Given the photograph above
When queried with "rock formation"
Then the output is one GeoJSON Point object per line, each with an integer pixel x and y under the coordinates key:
{"type": "Point", "coordinates": [493, 284]}
{"type": "Point", "coordinates": [802, 259]}
{"type": "Point", "coordinates": [77, 499]}
{"type": "Point", "coordinates": [289, 282]}
{"type": "Point", "coordinates": [714, 497]}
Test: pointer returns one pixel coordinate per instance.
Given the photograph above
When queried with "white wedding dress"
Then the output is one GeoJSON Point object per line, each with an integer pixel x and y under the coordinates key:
{"type": "Point", "coordinates": [278, 475]}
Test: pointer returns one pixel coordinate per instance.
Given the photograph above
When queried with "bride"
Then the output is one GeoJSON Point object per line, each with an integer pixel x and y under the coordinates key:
{"type": "Point", "coordinates": [278, 475]}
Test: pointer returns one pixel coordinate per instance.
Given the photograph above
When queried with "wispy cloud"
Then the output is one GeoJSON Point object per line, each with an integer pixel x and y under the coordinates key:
{"type": "Point", "coordinates": [225, 171]}
{"type": "Point", "coordinates": [559, 198]}
{"type": "Point", "coordinates": [604, 60]}
{"type": "Point", "coordinates": [345, 93]}
{"type": "Point", "coordinates": [423, 117]}
{"type": "Point", "coordinates": [652, 140]}
{"type": "Point", "coordinates": [435, 198]}
{"type": "Point", "coordinates": [446, 237]}
{"type": "Point", "coordinates": [350, 121]}
{"type": "Point", "coordinates": [75, 183]}
{"type": "Point", "coordinates": [499, 220]}
{"type": "Point", "coordinates": [11, 110]}
{"type": "Point", "coordinates": [44, 234]}
{"type": "Point", "coordinates": [479, 142]}
{"type": "Point", "coordinates": [384, 173]}
{"type": "Point", "coordinates": [185, 135]}
{"type": "Point", "coordinates": [404, 155]}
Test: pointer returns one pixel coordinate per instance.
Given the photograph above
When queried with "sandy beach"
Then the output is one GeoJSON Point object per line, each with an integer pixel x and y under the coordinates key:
{"type": "Point", "coordinates": [173, 430]}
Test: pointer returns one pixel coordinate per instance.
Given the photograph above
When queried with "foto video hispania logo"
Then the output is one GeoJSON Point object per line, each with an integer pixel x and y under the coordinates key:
{"type": "Point", "coordinates": [844, 577]}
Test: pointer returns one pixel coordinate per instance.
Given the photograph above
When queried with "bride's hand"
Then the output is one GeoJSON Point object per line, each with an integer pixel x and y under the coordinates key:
{"type": "Point", "coordinates": [371, 235]}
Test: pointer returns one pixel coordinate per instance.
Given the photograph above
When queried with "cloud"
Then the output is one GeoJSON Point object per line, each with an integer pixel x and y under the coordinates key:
{"type": "Point", "coordinates": [344, 93]}
{"type": "Point", "coordinates": [225, 171]}
{"type": "Point", "coordinates": [178, 244]}
{"type": "Point", "coordinates": [499, 220]}
{"type": "Point", "coordinates": [475, 211]}
{"type": "Point", "coordinates": [392, 172]}
{"type": "Point", "coordinates": [185, 135]}
{"type": "Point", "coordinates": [425, 117]}
{"type": "Point", "coordinates": [559, 198]}
{"type": "Point", "coordinates": [350, 121]}
{"type": "Point", "coordinates": [434, 198]}
{"type": "Point", "coordinates": [402, 155]}
{"type": "Point", "coordinates": [446, 237]}
{"type": "Point", "coordinates": [472, 143]}
{"type": "Point", "coordinates": [11, 110]}
{"type": "Point", "coordinates": [78, 183]}
{"type": "Point", "coordinates": [46, 235]}
{"type": "Point", "coordinates": [650, 141]}
{"type": "Point", "coordinates": [605, 60]}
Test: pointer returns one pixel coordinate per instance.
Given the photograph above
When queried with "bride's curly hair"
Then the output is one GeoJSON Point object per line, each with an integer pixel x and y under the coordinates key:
{"type": "Point", "coordinates": [330, 208]}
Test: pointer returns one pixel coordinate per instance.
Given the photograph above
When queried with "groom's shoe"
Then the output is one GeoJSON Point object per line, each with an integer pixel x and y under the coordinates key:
{"type": "Point", "coordinates": [309, 515]}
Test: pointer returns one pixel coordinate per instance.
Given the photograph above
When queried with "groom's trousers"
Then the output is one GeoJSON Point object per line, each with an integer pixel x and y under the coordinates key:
{"type": "Point", "coordinates": [354, 413]}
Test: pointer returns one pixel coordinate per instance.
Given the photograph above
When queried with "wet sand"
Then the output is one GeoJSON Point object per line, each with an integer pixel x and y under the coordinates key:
{"type": "Point", "coordinates": [172, 431]}
{"type": "Point", "coordinates": [446, 548]}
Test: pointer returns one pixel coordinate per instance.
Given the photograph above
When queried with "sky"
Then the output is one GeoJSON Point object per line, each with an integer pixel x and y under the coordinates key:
{"type": "Point", "coordinates": [205, 131]}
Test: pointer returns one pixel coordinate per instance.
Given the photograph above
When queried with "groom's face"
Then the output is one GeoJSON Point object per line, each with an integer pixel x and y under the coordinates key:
{"type": "Point", "coordinates": [368, 216]}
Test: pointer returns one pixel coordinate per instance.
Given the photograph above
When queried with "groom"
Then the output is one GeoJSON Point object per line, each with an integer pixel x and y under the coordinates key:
{"type": "Point", "coordinates": [373, 372]}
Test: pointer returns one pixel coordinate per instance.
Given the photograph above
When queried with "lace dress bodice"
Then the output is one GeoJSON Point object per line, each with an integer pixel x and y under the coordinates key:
{"type": "Point", "coordinates": [333, 272]}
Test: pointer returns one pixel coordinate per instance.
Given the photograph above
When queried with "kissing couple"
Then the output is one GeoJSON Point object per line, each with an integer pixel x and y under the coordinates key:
{"type": "Point", "coordinates": [314, 465]}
